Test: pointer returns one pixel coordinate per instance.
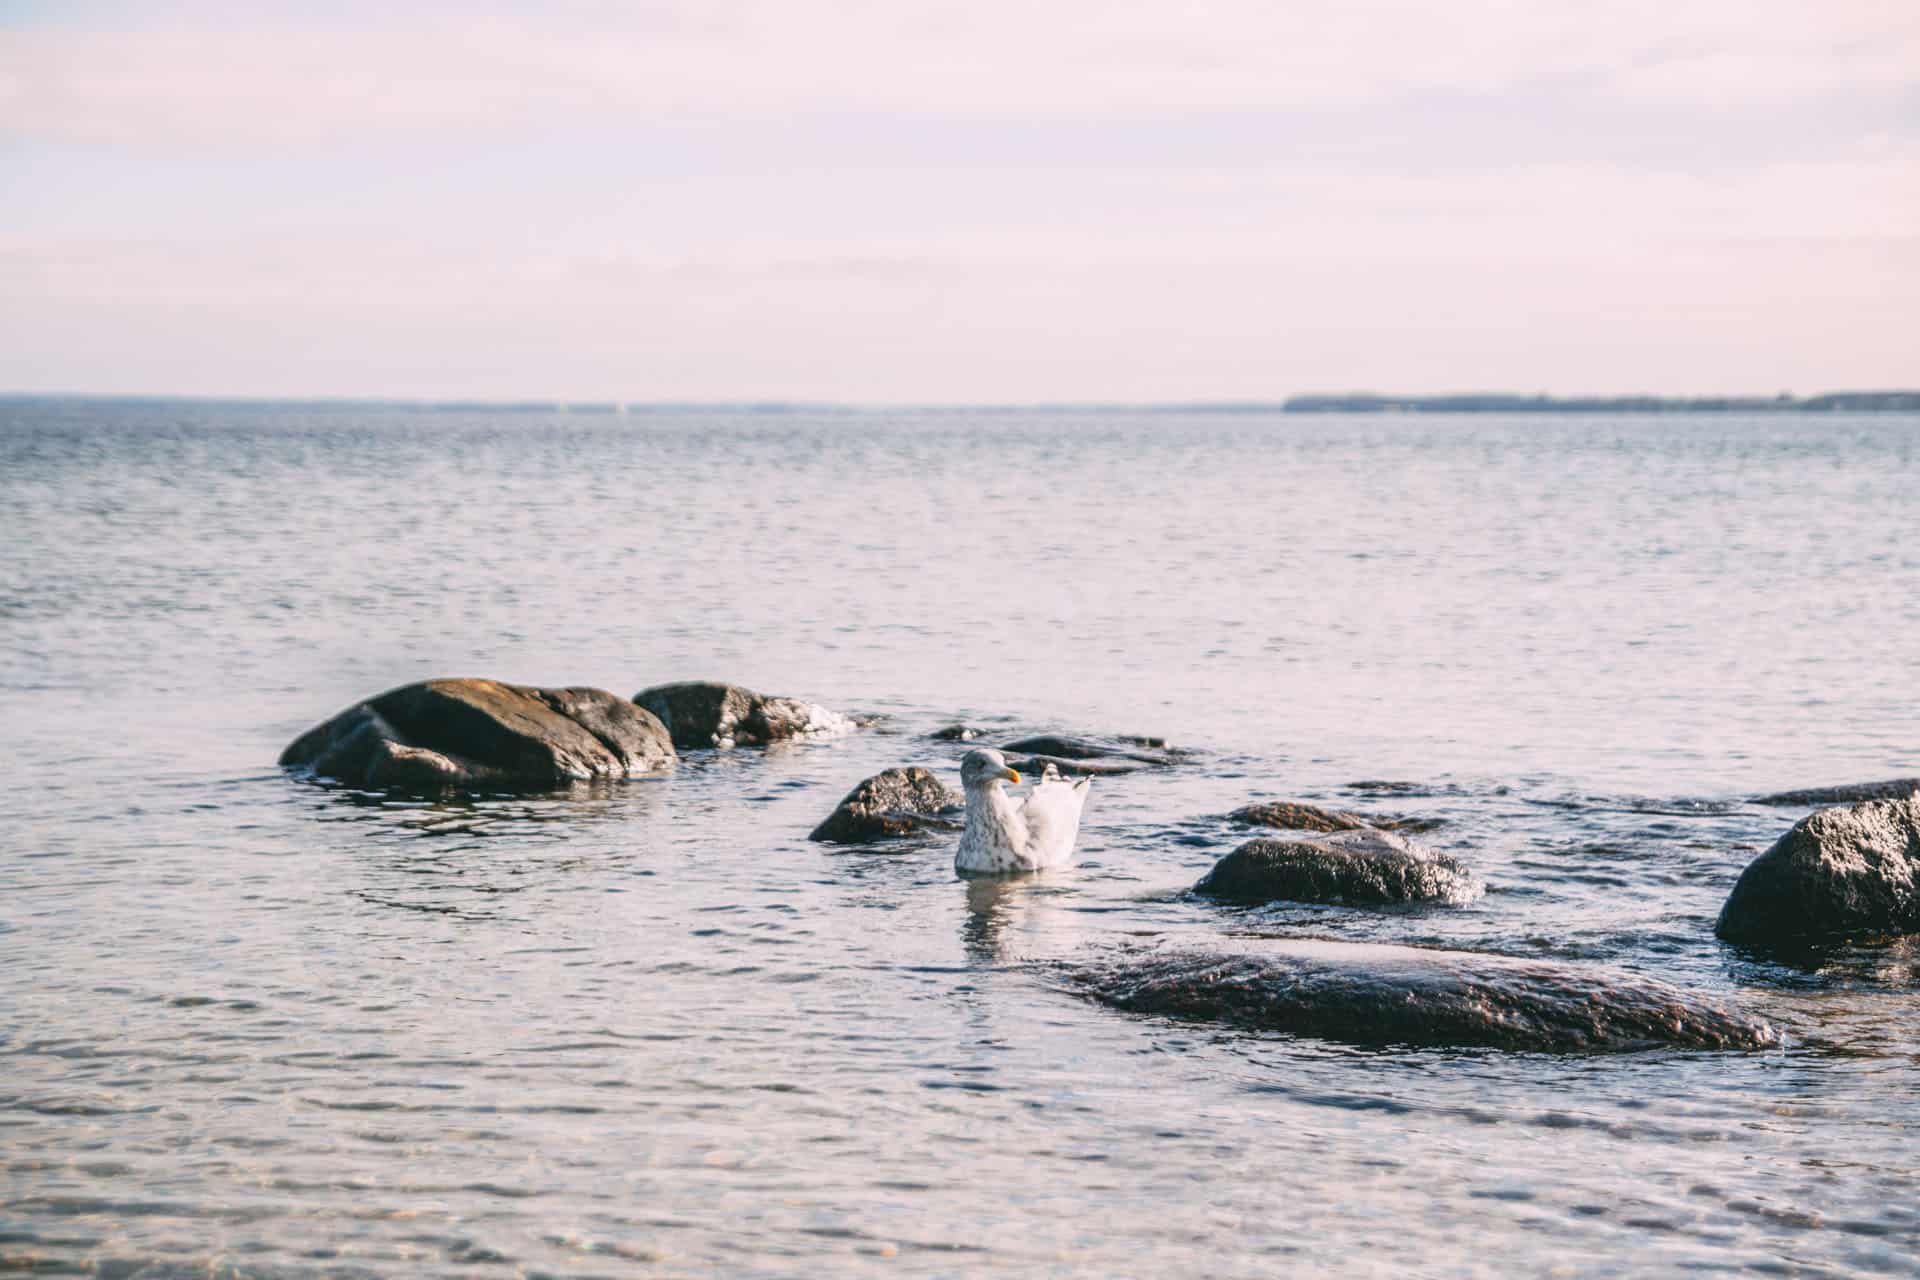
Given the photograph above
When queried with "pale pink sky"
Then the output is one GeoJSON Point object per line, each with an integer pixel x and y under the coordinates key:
{"type": "Point", "coordinates": [912, 201]}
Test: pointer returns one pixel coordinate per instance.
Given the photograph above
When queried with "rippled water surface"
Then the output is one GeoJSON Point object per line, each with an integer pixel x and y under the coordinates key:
{"type": "Point", "coordinates": [251, 1025]}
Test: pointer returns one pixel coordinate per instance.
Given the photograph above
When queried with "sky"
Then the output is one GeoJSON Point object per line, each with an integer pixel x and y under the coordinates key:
{"type": "Point", "coordinates": [919, 201]}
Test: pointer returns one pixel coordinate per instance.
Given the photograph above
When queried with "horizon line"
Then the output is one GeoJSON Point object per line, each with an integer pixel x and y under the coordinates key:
{"type": "Point", "coordinates": [1327, 402]}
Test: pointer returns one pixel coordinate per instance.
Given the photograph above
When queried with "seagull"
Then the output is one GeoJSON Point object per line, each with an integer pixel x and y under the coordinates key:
{"type": "Point", "coordinates": [1028, 834]}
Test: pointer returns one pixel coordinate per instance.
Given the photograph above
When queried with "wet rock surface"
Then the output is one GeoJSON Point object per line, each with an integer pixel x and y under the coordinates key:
{"type": "Point", "coordinates": [1292, 815]}
{"type": "Point", "coordinates": [464, 733]}
{"type": "Point", "coordinates": [1295, 815]}
{"type": "Point", "coordinates": [895, 802]}
{"type": "Point", "coordinates": [1845, 872]}
{"type": "Point", "coordinates": [1892, 789]}
{"type": "Point", "coordinates": [1069, 767]}
{"type": "Point", "coordinates": [1134, 749]}
{"type": "Point", "coordinates": [956, 733]}
{"type": "Point", "coordinates": [1355, 867]}
{"type": "Point", "coordinates": [1086, 756]}
{"type": "Point", "coordinates": [704, 713]}
{"type": "Point", "coordinates": [1375, 994]}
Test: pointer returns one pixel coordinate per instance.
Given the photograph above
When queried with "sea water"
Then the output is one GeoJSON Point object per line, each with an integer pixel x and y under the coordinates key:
{"type": "Point", "coordinates": [254, 1025]}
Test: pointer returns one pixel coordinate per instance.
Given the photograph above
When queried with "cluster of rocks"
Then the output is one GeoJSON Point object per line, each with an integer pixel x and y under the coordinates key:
{"type": "Point", "coordinates": [1850, 872]}
{"type": "Point", "coordinates": [1845, 874]}
{"type": "Point", "coordinates": [466, 734]}
{"type": "Point", "coordinates": [907, 801]}
{"type": "Point", "coordinates": [483, 734]}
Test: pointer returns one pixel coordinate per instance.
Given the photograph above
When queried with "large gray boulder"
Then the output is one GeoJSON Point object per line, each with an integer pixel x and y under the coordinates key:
{"type": "Point", "coordinates": [895, 802]}
{"type": "Point", "coordinates": [1355, 867]}
{"type": "Point", "coordinates": [1893, 789]}
{"type": "Point", "coordinates": [1378, 995]}
{"type": "Point", "coordinates": [1847, 872]}
{"type": "Point", "coordinates": [704, 713]}
{"type": "Point", "coordinates": [482, 734]}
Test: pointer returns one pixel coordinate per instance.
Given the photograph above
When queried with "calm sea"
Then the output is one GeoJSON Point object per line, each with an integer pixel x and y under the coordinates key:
{"type": "Point", "coordinates": [251, 1026]}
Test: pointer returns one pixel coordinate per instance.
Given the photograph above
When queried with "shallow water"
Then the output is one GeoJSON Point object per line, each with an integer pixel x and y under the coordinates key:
{"type": "Point", "coordinates": [251, 1023]}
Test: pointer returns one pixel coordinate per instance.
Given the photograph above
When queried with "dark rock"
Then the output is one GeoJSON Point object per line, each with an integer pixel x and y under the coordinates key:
{"type": "Point", "coordinates": [897, 802]}
{"type": "Point", "coordinates": [701, 713]}
{"type": "Point", "coordinates": [1291, 815]}
{"type": "Point", "coordinates": [481, 733]}
{"type": "Point", "coordinates": [394, 766]}
{"type": "Point", "coordinates": [1380, 995]}
{"type": "Point", "coordinates": [1895, 789]}
{"type": "Point", "coordinates": [1058, 746]}
{"type": "Point", "coordinates": [1038, 765]}
{"type": "Point", "coordinates": [956, 733]}
{"type": "Point", "coordinates": [1364, 867]}
{"type": "Point", "coordinates": [1848, 872]}
{"type": "Point", "coordinates": [1047, 744]}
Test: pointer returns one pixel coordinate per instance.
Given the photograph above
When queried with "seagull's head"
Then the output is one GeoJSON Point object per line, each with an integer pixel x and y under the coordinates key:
{"type": "Point", "coordinates": [985, 767]}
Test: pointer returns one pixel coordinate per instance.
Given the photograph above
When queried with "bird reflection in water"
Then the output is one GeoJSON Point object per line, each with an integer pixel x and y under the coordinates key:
{"type": "Point", "coordinates": [1001, 909]}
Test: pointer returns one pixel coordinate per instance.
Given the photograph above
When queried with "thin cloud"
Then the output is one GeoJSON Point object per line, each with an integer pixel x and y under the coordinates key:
{"type": "Point", "coordinates": [938, 201]}
{"type": "Point", "coordinates": [248, 77]}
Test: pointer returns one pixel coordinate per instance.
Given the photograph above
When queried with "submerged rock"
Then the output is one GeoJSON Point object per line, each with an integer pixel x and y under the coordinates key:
{"type": "Point", "coordinates": [1291, 815]}
{"type": "Point", "coordinates": [956, 733]}
{"type": "Point", "coordinates": [1145, 740]}
{"type": "Point", "coordinates": [1124, 747]}
{"type": "Point", "coordinates": [1077, 756]}
{"type": "Point", "coordinates": [703, 713]}
{"type": "Point", "coordinates": [1294, 815]}
{"type": "Point", "coordinates": [896, 802]}
{"type": "Point", "coordinates": [1376, 994]}
{"type": "Point", "coordinates": [1363, 868]}
{"type": "Point", "coordinates": [481, 733]}
{"type": "Point", "coordinates": [1893, 789]}
{"type": "Point", "coordinates": [1038, 765]}
{"type": "Point", "coordinates": [1845, 872]}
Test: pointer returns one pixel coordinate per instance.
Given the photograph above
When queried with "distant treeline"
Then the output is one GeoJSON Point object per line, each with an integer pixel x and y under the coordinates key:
{"type": "Point", "coordinates": [1833, 402]}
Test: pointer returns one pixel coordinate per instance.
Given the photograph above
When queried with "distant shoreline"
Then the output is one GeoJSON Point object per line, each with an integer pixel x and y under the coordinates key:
{"type": "Point", "coordinates": [1829, 402]}
{"type": "Point", "coordinates": [1356, 402]}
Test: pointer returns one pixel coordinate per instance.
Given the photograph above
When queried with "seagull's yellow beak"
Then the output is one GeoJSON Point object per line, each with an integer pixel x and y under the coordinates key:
{"type": "Point", "coordinates": [1013, 776]}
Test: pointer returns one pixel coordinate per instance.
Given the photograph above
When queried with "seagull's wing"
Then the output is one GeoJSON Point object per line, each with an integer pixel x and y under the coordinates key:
{"type": "Point", "coordinates": [1052, 811]}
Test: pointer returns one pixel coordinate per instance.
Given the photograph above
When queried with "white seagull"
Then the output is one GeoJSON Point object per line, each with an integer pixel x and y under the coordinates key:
{"type": "Point", "coordinates": [1028, 834]}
